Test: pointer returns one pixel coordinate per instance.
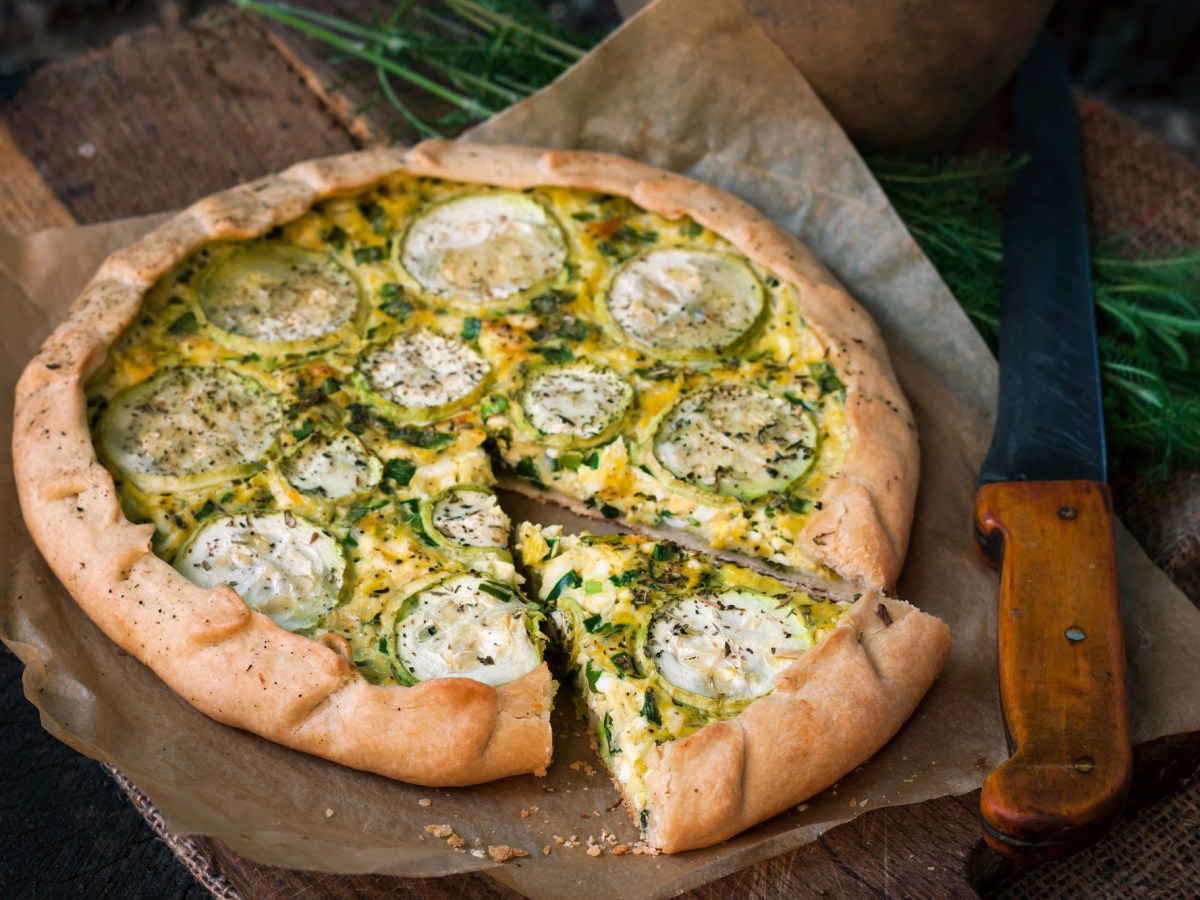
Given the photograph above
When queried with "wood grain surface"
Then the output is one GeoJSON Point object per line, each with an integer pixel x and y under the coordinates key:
{"type": "Point", "coordinates": [152, 122]}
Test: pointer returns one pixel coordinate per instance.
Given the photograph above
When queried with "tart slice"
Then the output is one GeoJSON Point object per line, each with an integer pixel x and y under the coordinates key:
{"type": "Point", "coordinates": [719, 696]}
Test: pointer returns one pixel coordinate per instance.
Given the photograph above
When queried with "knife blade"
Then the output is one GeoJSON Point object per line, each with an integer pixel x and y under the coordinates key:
{"type": "Point", "coordinates": [1043, 511]}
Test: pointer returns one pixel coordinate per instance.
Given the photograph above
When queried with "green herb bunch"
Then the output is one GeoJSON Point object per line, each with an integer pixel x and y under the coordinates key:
{"type": "Point", "coordinates": [473, 58]}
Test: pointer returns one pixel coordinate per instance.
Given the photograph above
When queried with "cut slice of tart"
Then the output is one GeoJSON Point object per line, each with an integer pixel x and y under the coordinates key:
{"type": "Point", "coordinates": [719, 696]}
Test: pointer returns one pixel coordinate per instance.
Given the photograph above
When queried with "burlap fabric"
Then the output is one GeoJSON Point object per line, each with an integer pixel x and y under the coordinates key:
{"type": "Point", "coordinates": [1146, 195]}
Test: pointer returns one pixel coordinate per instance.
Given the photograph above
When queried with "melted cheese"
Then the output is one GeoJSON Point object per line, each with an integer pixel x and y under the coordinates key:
{"type": "Point", "coordinates": [457, 629]}
{"type": "Point", "coordinates": [281, 565]}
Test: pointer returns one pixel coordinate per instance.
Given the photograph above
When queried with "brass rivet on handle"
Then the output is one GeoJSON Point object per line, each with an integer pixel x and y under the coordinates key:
{"type": "Point", "coordinates": [1075, 634]}
{"type": "Point", "coordinates": [1084, 764]}
{"type": "Point", "coordinates": [1067, 512]}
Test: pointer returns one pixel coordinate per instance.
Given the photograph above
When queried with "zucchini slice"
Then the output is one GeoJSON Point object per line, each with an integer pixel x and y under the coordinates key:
{"type": "Point", "coordinates": [718, 653]}
{"type": "Point", "coordinates": [188, 428]}
{"type": "Point", "coordinates": [577, 404]}
{"type": "Point", "coordinates": [278, 298]}
{"type": "Point", "coordinates": [282, 565]}
{"type": "Point", "coordinates": [483, 249]}
{"type": "Point", "coordinates": [424, 376]}
{"type": "Point", "coordinates": [467, 516]}
{"type": "Point", "coordinates": [466, 627]}
{"type": "Point", "coordinates": [679, 304]}
{"type": "Point", "coordinates": [332, 467]}
{"type": "Point", "coordinates": [736, 440]}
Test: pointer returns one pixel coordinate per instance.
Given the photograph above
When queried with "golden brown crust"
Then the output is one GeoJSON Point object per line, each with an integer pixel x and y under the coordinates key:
{"type": "Point", "coordinates": [830, 711]}
{"type": "Point", "coordinates": [238, 666]}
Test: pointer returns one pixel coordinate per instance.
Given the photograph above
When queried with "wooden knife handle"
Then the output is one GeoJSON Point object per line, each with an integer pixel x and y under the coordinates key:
{"type": "Point", "coordinates": [1062, 667]}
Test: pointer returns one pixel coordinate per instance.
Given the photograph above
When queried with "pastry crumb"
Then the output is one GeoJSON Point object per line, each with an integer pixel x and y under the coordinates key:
{"type": "Point", "coordinates": [595, 850]}
{"type": "Point", "coordinates": [503, 852]}
{"type": "Point", "coordinates": [557, 839]}
{"type": "Point", "coordinates": [439, 831]}
{"type": "Point", "coordinates": [641, 848]}
{"type": "Point", "coordinates": [619, 850]}
{"type": "Point", "coordinates": [853, 803]}
{"type": "Point", "coordinates": [524, 814]}
{"type": "Point", "coordinates": [479, 854]}
{"type": "Point", "coordinates": [546, 850]}
{"type": "Point", "coordinates": [328, 813]}
{"type": "Point", "coordinates": [424, 801]}
{"type": "Point", "coordinates": [802, 807]}
{"type": "Point", "coordinates": [455, 841]}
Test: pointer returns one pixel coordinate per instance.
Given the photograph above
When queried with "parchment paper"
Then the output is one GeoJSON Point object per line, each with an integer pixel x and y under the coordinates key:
{"type": "Point", "coordinates": [693, 87]}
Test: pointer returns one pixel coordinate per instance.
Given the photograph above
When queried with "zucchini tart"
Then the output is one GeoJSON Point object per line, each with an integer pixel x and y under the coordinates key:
{"type": "Point", "coordinates": [262, 451]}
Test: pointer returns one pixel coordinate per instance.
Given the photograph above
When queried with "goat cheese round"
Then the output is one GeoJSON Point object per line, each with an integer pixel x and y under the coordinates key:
{"type": "Point", "coordinates": [282, 565]}
{"type": "Point", "coordinates": [685, 302]}
{"type": "Point", "coordinates": [579, 400]}
{"type": "Point", "coordinates": [277, 293]}
{"type": "Point", "coordinates": [425, 370]}
{"type": "Point", "coordinates": [736, 440]}
{"type": "Point", "coordinates": [332, 467]}
{"type": "Point", "coordinates": [726, 647]}
{"type": "Point", "coordinates": [466, 627]}
{"type": "Point", "coordinates": [480, 249]}
{"type": "Point", "coordinates": [471, 517]}
{"type": "Point", "coordinates": [189, 427]}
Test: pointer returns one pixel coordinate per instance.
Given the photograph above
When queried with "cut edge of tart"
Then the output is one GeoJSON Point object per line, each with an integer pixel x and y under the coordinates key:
{"type": "Point", "coordinates": [229, 661]}
{"type": "Point", "coordinates": [717, 696]}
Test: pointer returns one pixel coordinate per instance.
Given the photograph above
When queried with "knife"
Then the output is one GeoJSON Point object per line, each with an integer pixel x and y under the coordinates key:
{"type": "Point", "coordinates": [1043, 511]}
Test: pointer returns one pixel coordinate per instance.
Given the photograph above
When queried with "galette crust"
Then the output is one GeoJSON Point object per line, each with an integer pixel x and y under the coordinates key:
{"type": "Point", "coordinates": [241, 669]}
{"type": "Point", "coordinates": [831, 710]}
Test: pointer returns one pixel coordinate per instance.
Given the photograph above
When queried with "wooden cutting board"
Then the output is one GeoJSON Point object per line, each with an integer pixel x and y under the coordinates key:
{"type": "Point", "coordinates": [161, 118]}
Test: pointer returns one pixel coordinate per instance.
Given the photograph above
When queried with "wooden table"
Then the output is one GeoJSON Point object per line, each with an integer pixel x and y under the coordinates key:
{"type": "Point", "coordinates": [153, 122]}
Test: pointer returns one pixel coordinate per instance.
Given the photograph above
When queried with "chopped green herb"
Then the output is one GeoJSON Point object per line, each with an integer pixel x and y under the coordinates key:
{"type": "Point", "coordinates": [350, 540]}
{"type": "Point", "coordinates": [624, 663]}
{"type": "Point", "coordinates": [383, 645]}
{"type": "Point", "coordinates": [184, 325]}
{"type": "Point", "coordinates": [664, 552]}
{"type": "Point", "coordinates": [421, 437]}
{"type": "Point", "coordinates": [644, 819]}
{"type": "Point", "coordinates": [304, 430]}
{"type": "Point", "coordinates": [470, 330]}
{"type": "Point", "coordinates": [496, 591]}
{"type": "Point", "coordinates": [584, 216]}
{"type": "Point", "coordinates": [650, 708]}
{"type": "Point", "coordinates": [206, 510]}
{"type": "Point", "coordinates": [608, 741]}
{"type": "Point", "coordinates": [555, 353]}
{"type": "Point", "coordinates": [492, 405]}
{"type": "Point", "coordinates": [568, 581]}
{"type": "Point", "coordinates": [592, 460]}
{"type": "Point", "coordinates": [608, 249]}
{"type": "Point", "coordinates": [609, 511]}
{"type": "Point", "coordinates": [528, 470]}
{"type": "Point", "coordinates": [225, 498]}
{"type": "Point", "coordinates": [335, 237]}
{"type": "Point", "coordinates": [593, 587]}
{"type": "Point", "coordinates": [375, 215]}
{"type": "Point", "coordinates": [826, 378]}
{"type": "Point", "coordinates": [593, 675]}
{"type": "Point", "coordinates": [568, 460]}
{"type": "Point", "coordinates": [368, 254]}
{"type": "Point", "coordinates": [330, 386]}
{"type": "Point", "coordinates": [692, 229]}
{"type": "Point", "coordinates": [399, 471]}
